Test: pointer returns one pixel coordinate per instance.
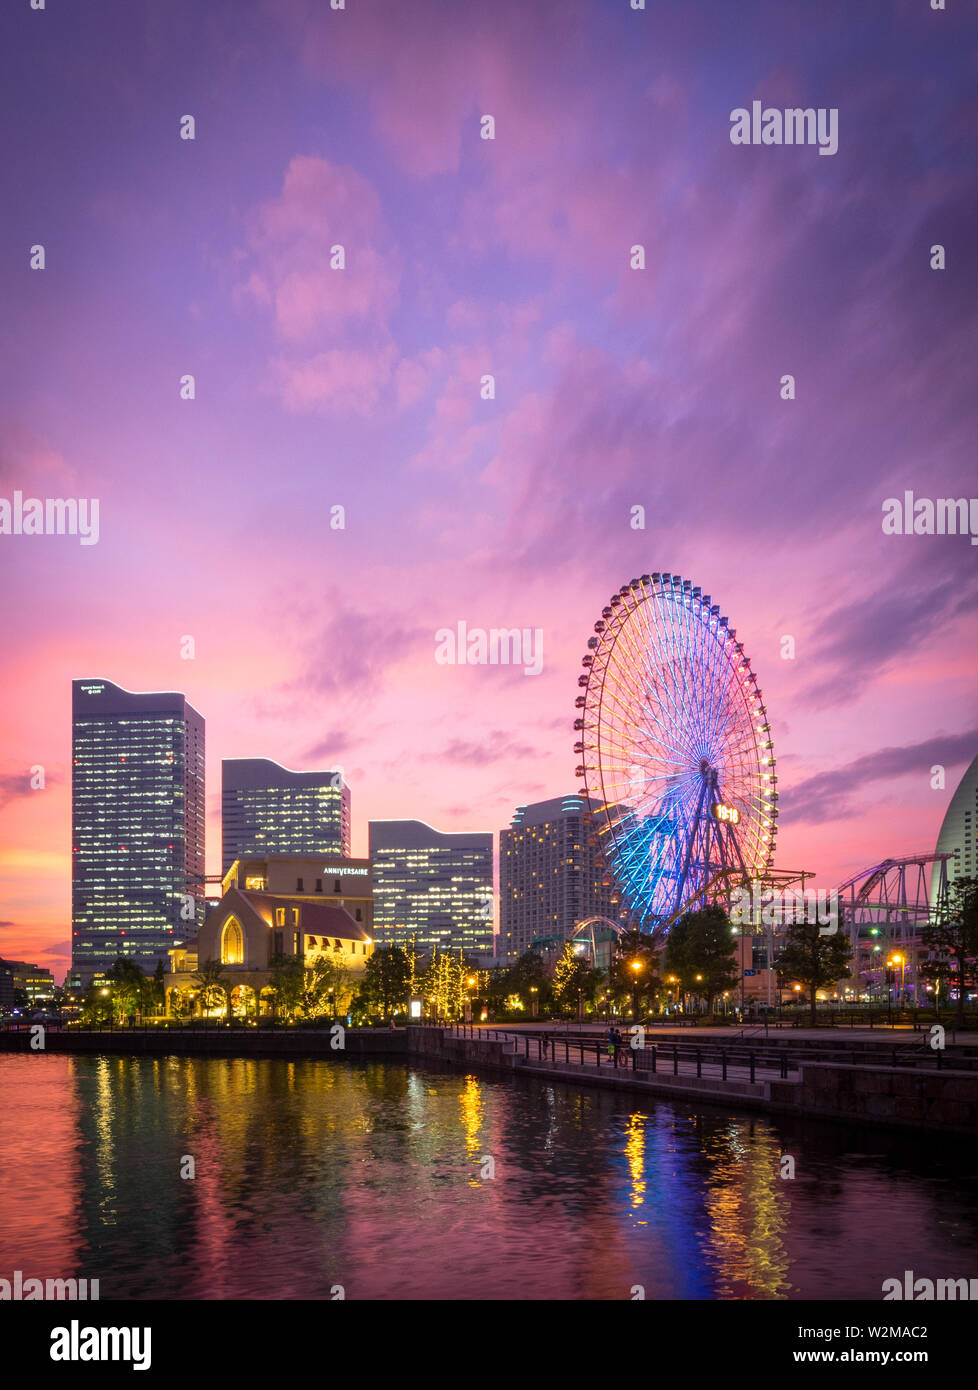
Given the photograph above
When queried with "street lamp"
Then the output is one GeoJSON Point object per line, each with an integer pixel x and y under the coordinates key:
{"type": "Point", "coordinates": [637, 966]}
{"type": "Point", "coordinates": [672, 980]}
{"type": "Point", "coordinates": [899, 960]}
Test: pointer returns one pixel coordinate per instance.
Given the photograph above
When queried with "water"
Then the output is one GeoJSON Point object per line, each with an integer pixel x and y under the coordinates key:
{"type": "Point", "coordinates": [313, 1174]}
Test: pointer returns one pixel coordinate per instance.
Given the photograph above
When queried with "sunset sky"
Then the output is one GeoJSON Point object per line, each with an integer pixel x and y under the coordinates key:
{"type": "Point", "coordinates": [360, 388]}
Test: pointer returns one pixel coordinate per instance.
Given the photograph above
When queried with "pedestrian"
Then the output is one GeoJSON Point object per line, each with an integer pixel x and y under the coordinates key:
{"type": "Point", "coordinates": [611, 1043]}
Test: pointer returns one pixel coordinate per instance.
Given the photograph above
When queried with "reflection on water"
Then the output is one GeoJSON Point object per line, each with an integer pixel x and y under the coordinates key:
{"type": "Point", "coordinates": [313, 1174]}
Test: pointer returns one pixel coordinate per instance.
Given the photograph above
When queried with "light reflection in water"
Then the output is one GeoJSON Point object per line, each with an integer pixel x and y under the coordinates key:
{"type": "Point", "coordinates": [310, 1174]}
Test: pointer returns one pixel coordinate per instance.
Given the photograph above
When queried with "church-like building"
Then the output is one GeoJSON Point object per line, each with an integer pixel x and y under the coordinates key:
{"type": "Point", "coordinates": [285, 905]}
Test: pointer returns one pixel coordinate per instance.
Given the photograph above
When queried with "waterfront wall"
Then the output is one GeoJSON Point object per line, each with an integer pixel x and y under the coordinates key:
{"type": "Point", "coordinates": [216, 1042]}
{"type": "Point", "coordinates": [935, 1100]}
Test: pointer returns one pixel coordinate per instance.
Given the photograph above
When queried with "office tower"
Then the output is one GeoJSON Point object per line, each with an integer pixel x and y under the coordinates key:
{"type": "Point", "coordinates": [549, 879]}
{"type": "Point", "coordinates": [137, 807]}
{"type": "Point", "coordinates": [959, 830]}
{"type": "Point", "coordinates": [430, 885]}
{"type": "Point", "coordinates": [267, 809]}
{"type": "Point", "coordinates": [36, 981]}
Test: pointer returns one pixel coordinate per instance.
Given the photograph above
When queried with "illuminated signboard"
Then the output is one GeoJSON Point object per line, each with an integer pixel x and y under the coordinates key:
{"type": "Point", "coordinates": [727, 813]}
{"type": "Point", "coordinates": [344, 869]}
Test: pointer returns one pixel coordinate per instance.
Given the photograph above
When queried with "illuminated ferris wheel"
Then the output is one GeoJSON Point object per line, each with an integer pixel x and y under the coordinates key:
{"type": "Point", "coordinates": [675, 751]}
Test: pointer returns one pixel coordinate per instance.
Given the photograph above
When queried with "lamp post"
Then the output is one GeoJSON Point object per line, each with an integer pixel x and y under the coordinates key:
{"type": "Point", "coordinates": [637, 968]}
{"type": "Point", "coordinates": [901, 962]}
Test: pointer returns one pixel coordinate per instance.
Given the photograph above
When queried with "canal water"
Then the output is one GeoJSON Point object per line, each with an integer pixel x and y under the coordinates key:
{"type": "Point", "coordinates": [391, 1181]}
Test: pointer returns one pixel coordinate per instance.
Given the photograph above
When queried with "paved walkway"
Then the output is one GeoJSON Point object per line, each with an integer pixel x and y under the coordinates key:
{"type": "Point", "coordinates": [738, 1068]}
{"type": "Point", "coordinates": [750, 1033]}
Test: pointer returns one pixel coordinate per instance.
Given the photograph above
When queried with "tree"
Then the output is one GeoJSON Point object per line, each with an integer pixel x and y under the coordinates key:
{"type": "Point", "coordinates": [814, 960]}
{"type": "Point", "coordinates": [958, 936]}
{"type": "Point", "coordinates": [444, 982]}
{"type": "Point", "coordinates": [574, 979]}
{"type": "Point", "coordinates": [288, 980]}
{"type": "Point", "coordinates": [327, 988]}
{"type": "Point", "coordinates": [634, 968]}
{"type": "Point", "coordinates": [386, 980]}
{"type": "Point", "coordinates": [212, 980]}
{"type": "Point", "coordinates": [701, 951]}
{"type": "Point", "coordinates": [96, 1006]}
{"type": "Point", "coordinates": [156, 988]}
{"type": "Point", "coordinates": [128, 984]}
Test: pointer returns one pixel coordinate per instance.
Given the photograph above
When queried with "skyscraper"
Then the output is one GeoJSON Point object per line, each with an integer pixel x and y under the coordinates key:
{"type": "Point", "coordinates": [431, 885]}
{"type": "Point", "coordinates": [137, 809]}
{"type": "Point", "coordinates": [268, 809]}
{"type": "Point", "coordinates": [549, 878]}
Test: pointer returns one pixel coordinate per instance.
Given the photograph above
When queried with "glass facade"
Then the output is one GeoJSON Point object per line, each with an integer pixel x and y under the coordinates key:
{"type": "Point", "coordinates": [433, 886]}
{"type": "Point", "coordinates": [137, 796]}
{"type": "Point", "coordinates": [267, 809]}
{"type": "Point", "coordinates": [549, 877]}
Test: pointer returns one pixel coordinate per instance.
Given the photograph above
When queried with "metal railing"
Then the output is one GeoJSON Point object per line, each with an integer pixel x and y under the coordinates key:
{"type": "Point", "coordinates": [579, 1048]}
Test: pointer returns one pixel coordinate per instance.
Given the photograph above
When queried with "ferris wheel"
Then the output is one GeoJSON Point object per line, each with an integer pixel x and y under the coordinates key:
{"type": "Point", "coordinates": [675, 751]}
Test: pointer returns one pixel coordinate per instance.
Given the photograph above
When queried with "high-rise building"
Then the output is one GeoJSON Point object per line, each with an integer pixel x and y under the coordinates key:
{"type": "Point", "coordinates": [959, 831]}
{"type": "Point", "coordinates": [137, 810]}
{"type": "Point", "coordinates": [268, 809]}
{"type": "Point", "coordinates": [431, 885]}
{"type": "Point", "coordinates": [36, 981]}
{"type": "Point", "coordinates": [549, 875]}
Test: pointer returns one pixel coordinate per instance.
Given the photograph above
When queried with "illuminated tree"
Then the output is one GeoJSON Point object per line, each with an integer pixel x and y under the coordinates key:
{"type": "Point", "coordinates": [574, 979]}
{"type": "Point", "coordinates": [213, 982]}
{"type": "Point", "coordinates": [444, 983]}
{"type": "Point", "coordinates": [288, 980]}
{"type": "Point", "coordinates": [128, 984]}
{"type": "Point", "coordinates": [328, 988]}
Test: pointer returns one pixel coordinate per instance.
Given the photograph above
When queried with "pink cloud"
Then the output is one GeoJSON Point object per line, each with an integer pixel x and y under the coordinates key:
{"type": "Point", "coordinates": [340, 380]}
{"type": "Point", "coordinates": [321, 206]}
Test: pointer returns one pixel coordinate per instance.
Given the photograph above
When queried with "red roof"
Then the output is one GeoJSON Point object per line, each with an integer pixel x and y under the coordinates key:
{"type": "Point", "coordinates": [315, 919]}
